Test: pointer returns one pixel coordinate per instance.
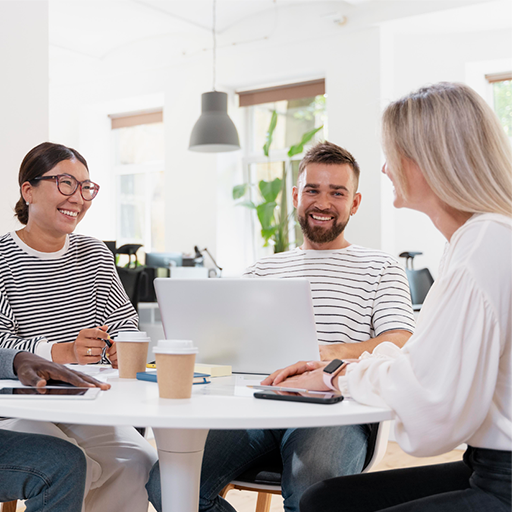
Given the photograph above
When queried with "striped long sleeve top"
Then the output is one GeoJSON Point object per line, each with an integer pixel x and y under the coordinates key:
{"type": "Point", "coordinates": [357, 293]}
{"type": "Point", "coordinates": [50, 297]}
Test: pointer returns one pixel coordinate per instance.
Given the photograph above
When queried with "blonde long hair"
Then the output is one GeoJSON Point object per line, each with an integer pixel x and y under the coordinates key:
{"type": "Point", "coordinates": [455, 138]}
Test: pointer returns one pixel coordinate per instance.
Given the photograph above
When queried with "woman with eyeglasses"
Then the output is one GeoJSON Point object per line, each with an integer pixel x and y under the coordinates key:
{"type": "Point", "coordinates": [448, 157]}
{"type": "Point", "coordinates": [61, 298]}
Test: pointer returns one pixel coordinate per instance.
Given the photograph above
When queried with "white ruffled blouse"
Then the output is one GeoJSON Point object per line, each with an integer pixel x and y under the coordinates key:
{"type": "Point", "coordinates": [451, 382]}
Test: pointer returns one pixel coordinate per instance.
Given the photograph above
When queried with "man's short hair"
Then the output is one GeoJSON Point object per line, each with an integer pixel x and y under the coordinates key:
{"type": "Point", "coordinates": [328, 153]}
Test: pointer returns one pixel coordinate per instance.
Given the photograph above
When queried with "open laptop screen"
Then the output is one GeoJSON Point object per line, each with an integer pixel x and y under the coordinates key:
{"type": "Point", "coordinates": [254, 325]}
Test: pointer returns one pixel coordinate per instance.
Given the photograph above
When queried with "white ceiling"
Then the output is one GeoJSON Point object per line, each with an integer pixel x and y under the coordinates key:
{"type": "Point", "coordinates": [156, 33]}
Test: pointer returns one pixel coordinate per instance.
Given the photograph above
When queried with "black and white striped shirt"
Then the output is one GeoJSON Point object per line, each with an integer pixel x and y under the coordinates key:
{"type": "Point", "coordinates": [50, 297]}
{"type": "Point", "coordinates": [357, 293]}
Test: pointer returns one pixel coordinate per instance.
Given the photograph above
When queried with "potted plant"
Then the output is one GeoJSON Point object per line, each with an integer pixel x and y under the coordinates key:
{"type": "Point", "coordinates": [272, 211]}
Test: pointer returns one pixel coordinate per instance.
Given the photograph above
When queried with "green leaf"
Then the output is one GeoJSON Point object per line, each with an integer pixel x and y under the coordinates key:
{"type": "Point", "coordinates": [240, 190]}
{"type": "Point", "coordinates": [265, 213]}
{"type": "Point", "coordinates": [247, 204]}
{"type": "Point", "coordinates": [268, 233]}
{"type": "Point", "coordinates": [270, 132]}
{"type": "Point", "coordinates": [299, 148]}
{"type": "Point", "coordinates": [270, 189]}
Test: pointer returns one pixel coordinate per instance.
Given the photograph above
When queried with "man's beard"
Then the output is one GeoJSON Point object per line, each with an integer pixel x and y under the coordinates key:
{"type": "Point", "coordinates": [318, 234]}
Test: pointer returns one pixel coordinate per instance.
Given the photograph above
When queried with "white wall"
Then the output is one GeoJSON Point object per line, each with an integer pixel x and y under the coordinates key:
{"type": "Point", "coordinates": [23, 93]}
{"type": "Point", "coordinates": [429, 58]}
{"type": "Point", "coordinates": [353, 83]}
{"type": "Point", "coordinates": [364, 68]}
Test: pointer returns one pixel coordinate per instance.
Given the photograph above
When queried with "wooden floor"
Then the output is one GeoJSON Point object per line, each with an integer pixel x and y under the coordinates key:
{"type": "Point", "coordinates": [244, 501]}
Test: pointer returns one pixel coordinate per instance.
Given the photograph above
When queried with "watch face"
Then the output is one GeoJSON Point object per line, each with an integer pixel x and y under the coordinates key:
{"type": "Point", "coordinates": [333, 365]}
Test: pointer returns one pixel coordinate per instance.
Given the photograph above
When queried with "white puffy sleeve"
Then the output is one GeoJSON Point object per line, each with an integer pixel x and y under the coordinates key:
{"type": "Point", "coordinates": [441, 384]}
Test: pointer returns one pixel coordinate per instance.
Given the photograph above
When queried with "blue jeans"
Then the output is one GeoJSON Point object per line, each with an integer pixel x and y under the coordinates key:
{"type": "Point", "coordinates": [309, 455]}
{"type": "Point", "coordinates": [47, 472]}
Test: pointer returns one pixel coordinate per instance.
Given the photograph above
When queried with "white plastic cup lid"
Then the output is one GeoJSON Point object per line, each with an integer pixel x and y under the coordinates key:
{"type": "Point", "coordinates": [132, 336]}
{"type": "Point", "coordinates": [175, 347]}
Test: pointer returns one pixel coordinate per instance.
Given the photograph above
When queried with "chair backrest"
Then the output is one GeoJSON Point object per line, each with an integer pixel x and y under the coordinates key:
{"type": "Point", "coordinates": [377, 444]}
{"type": "Point", "coordinates": [420, 282]}
{"type": "Point", "coordinates": [111, 244]}
{"type": "Point", "coordinates": [131, 280]}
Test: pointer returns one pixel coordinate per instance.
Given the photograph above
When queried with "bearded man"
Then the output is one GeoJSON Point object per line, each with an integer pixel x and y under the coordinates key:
{"type": "Point", "coordinates": [360, 299]}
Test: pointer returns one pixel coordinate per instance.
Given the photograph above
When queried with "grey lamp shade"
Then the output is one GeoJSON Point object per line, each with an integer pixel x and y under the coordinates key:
{"type": "Point", "coordinates": [214, 132]}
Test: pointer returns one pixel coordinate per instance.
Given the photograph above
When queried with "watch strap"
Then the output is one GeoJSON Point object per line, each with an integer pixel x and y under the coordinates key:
{"type": "Point", "coordinates": [329, 377]}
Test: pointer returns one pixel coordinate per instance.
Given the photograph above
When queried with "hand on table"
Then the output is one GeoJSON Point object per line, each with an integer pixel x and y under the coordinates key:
{"type": "Point", "coordinates": [303, 375]}
{"type": "Point", "coordinates": [35, 371]}
{"type": "Point", "coordinates": [299, 368]}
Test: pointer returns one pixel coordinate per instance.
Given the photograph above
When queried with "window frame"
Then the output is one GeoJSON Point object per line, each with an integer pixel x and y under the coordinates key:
{"type": "Point", "coordinates": [256, 156]}
{"type": "Point", "coordinates": [148, 170]}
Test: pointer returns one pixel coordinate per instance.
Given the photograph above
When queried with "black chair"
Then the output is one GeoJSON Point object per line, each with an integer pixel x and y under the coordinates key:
{"type": "Point", "coordinates": [130, 250]}
{"type": "Point", "coordinates": [420, 281]}
{"type": "Point", "coordinates": [131, 279]}
{"type": "Point", "coordinates": [111, 244]}
{"type": "Point", "coordinates": [265, 478]}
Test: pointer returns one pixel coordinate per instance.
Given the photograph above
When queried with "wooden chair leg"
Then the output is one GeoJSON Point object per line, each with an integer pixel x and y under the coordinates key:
{"type": "Point", "coordinates": [224, 491]}
{"type": "Point", "coordinates": [264, 501]}
{"type": "Point", "coordinates": [9, 506]}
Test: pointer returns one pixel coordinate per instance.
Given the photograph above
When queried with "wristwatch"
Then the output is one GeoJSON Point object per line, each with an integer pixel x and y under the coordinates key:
{"type": "Point", "coordinates": [330, 371]}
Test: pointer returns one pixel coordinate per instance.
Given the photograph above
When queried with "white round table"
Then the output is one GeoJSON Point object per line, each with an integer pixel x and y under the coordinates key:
{"type": "Point", "coordinates": [181, 426]}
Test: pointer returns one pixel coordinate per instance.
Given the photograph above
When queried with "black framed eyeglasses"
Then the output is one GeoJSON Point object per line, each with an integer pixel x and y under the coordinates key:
{"type": "Point", "coordinates": [68, 184]}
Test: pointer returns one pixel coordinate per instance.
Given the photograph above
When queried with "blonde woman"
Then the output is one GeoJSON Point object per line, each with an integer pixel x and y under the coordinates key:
{"type": "Point", "coordinates": [449, 158]}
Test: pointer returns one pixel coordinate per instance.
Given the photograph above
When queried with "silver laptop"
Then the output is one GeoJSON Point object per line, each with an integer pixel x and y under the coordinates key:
{"type": "Point", "coordinates": [254, 325]}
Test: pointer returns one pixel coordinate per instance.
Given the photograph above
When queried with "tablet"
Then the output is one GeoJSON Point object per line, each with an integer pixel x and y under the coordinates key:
{"type": "Point", "coordinates": [50, 392]}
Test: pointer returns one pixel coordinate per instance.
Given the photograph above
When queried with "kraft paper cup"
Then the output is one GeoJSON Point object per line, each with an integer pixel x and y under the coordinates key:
{"type": "Point", "coordinates": [132, 353]}
{"type": "Point", "coordinates": [175, 361]}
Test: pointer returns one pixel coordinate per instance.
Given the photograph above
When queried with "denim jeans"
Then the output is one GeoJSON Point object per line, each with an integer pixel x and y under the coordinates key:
{"type": "Point", "coordinates": [309, 455]}
{"type": "Point", "coordinates": [47, 472]}
{"type": "Point", "coordinates": [118, 461]}
{"type": "Point", "coordinates": [480, 483]}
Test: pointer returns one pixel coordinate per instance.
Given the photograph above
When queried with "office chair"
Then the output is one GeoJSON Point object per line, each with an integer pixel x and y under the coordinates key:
{"type": "Point", "coordinates": [420, 280]}
{"type": "Point", "coordinates": [111, 244]}
{"type": "Point", "coordinates": [130, 250]}
{"type": "Point", "coordinates": [265, 479]}
{"type": "Point", "coordinates": [131, 279]}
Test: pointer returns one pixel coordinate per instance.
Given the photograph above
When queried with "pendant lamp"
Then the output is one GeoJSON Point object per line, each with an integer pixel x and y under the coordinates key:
{"type": "Point", "coordinates": [214, 132]}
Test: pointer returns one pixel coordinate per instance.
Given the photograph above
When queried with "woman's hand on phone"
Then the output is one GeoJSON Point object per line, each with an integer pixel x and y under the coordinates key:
{"type": "Point", "coordinates": [285, 374]}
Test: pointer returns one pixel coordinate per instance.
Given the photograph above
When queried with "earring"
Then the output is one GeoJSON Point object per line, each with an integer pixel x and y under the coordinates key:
{"type": "Point", "coordinates": [27, 203]}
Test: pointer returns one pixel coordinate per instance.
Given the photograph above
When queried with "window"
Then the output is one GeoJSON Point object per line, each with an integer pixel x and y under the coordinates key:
{"type": "Point", "coordinates": [501, 84]}
{"type": "Point", "coordinates": [138, 143]}
{"type": "Point", "coordinates": [300, 109]}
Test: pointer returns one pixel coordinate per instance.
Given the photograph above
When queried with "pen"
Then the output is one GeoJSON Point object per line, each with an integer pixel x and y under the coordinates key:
{"type": "Point", "coordinates": [108, 342]}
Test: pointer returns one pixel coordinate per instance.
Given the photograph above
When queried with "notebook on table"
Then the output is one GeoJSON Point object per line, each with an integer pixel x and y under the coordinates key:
{"type": "Point", "coordinates": [150, 376]}
{"type": "Point", "coordinates": [254, 325]}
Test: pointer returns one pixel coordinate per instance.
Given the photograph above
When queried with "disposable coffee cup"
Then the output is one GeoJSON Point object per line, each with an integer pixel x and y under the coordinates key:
{"type": "Point", "coordinates": [132, 353]}
{"type": "Point", "coordinates": [175, 361]}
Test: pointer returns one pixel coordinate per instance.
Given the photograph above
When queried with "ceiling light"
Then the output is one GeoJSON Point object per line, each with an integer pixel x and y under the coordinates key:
{"type": "Point", "coordinates": [214, 132]}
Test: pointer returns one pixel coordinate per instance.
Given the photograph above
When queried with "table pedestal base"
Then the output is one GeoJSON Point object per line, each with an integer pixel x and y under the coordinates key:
{"type": "Point", "coordinates": [181, 453]}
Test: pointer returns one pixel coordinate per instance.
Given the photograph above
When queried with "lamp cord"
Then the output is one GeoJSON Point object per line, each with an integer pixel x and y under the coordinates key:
{"type": "Point", "coordinates": [214, 40]}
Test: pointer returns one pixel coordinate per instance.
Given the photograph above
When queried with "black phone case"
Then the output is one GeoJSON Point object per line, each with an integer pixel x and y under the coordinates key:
{"type": "Point", "coordinates": [298, 398]}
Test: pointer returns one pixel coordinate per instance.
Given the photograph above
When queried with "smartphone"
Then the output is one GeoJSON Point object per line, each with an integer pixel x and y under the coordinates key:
{"type": "Point", "coordinates": [50, 392]}
{"type": "Point", "coordinates": [316, 397]}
